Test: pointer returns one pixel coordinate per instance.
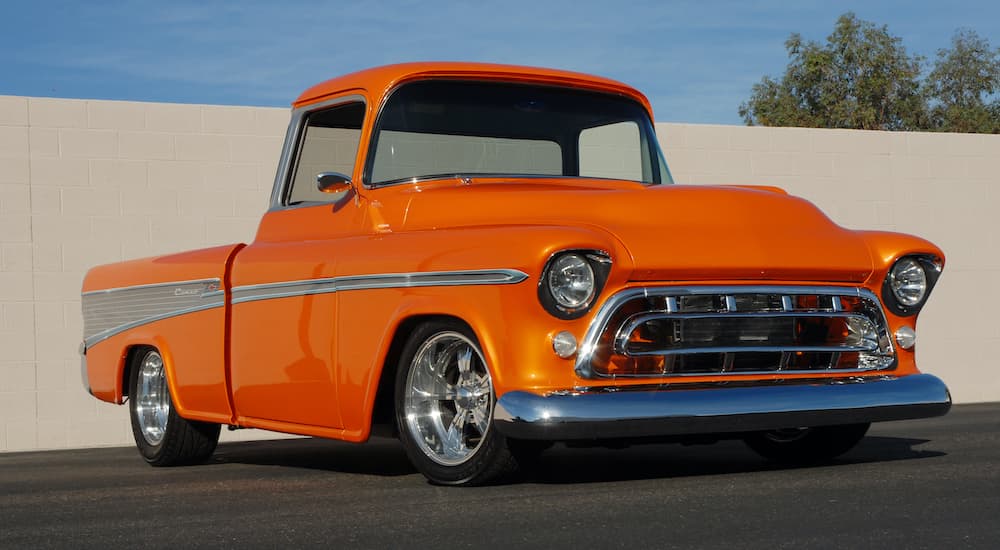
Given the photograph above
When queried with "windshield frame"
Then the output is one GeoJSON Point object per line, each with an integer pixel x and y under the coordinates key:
{"type": "Point", "coordinates": [648, 139]}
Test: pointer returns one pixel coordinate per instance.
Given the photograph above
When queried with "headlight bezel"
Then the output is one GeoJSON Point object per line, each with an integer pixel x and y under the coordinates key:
{"type": "Point", "coordinates": [599, 263]}
{"type": "Point", "coordinates": [931, 266]}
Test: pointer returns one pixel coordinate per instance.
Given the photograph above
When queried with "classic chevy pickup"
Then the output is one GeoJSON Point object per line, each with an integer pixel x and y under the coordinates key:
{"type": "Point", "coordinates": [485, 259]}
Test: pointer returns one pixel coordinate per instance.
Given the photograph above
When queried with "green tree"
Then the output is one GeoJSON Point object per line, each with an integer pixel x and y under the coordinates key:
{"type": "Point", "coordinates": [861, 78]}
{"type": "Point", "coordinates": [961, 84]}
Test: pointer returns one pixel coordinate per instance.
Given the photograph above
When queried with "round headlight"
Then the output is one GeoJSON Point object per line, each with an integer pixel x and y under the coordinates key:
{"type": "Point", "coordinates": [908, 282]}
{"type": "Point", "coordinates": [571, 281]}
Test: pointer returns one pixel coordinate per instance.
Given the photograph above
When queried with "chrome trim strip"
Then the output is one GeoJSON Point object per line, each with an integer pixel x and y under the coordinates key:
{"type": "Point", "coordinates": [649, 413]}
{"type": "Point", "coordinates": [129, 307]}
{"type": "Point", "coordinates": [104, 335]}
{"type": "Point", "coordinates": [285, 160]}
{"type": "Point", "coordinates": [599, 324]}
{"type": "Point", "coordinates": [112, 311]}
{"type": "Point", "coordinates": [472, 177]}
{"type": "Point", "coordinates": [155, 285]}
{"type": "Point", "coordinates": [285, 289]}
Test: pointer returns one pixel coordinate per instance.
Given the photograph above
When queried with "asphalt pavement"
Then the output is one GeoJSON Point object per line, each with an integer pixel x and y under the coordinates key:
{"type": "Point", "coordinates": [931, 483]}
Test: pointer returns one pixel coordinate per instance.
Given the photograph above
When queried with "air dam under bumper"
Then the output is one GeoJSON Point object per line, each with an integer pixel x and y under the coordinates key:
{"type": "Point", "coordinates": [664, 412]}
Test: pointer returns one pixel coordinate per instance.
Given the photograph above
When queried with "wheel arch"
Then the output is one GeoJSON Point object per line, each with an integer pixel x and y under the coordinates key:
{"type": "Point", "coordinates": [131, 356]}
{"type": "Point", "coordinates": [132, 353]}
{"type": "Point", "coordinates": [384, 406]}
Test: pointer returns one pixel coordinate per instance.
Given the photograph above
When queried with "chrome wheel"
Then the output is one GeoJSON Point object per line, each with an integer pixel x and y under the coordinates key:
{"type": "Point", "coordinates": [448, 398]}
{"type": "Point", "coordinates": [152, 399]}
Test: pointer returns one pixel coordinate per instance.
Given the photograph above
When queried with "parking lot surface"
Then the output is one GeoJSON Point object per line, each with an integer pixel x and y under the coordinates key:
{"type": "Point", "coordinates": [931, 483]}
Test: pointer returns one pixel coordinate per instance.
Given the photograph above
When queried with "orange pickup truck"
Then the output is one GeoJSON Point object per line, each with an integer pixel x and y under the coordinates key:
{"type": "Point", "coordinates": [485, 259]}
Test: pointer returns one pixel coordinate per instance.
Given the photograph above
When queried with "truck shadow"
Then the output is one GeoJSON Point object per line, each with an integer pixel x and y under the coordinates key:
{"type": "Point", "coordinates": [380, 456]}
{"type": "Point", "coordinates": [560, 464]}
{"type": "Point", "coordinates": [563, 465]}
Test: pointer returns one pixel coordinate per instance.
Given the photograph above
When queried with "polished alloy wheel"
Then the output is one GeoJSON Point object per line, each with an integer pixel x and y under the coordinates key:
{"type": "Point", "coordinates": [448, 399]}
{"type": "Point", "coordinates": [152, 399]}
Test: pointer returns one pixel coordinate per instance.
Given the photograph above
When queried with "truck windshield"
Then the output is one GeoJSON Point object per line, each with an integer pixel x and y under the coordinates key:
{"type": "Point", "coordinates": [446, 128]}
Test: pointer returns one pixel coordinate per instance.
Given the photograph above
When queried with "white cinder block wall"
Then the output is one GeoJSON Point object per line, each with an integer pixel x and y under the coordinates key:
{"type": "Point", "coordinates": [88, 182]}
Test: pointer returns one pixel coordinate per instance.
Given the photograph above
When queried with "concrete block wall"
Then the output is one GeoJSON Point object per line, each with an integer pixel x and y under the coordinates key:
{"type": "Point", "coordinates": [88, 182]}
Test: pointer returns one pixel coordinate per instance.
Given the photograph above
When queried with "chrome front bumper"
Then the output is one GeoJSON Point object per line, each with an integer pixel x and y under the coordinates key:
{"type": "Point", "coordinates": [666, 412]}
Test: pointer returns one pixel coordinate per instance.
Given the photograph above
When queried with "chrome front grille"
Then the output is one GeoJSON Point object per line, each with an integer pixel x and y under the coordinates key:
{"type": "Point", "coordinates": [664, 331]}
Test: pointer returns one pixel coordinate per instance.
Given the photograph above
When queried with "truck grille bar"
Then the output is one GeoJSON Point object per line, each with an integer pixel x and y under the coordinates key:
{"type": "Point", "coordinates": [697, 331]}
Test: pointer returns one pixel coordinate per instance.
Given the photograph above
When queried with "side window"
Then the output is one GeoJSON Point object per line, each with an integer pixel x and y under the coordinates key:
{"type": "Point", "coordinates": [611, 151]}
{"type": "Point", "coordinates": [329, 144]}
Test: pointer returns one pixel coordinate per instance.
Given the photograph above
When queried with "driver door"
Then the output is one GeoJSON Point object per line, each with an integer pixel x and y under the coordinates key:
{"type": "Point", "coordinates": [284, 315]}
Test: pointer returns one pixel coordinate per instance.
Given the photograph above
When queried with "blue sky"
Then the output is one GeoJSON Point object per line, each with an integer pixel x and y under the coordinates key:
{"type": "Point", "coordinates": [696, 60]}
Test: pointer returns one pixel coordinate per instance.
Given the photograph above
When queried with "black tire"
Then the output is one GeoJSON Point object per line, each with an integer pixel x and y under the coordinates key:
{"type": "Point", "coordinates": [162, 436]}
{"type": "Point", "coordinates": [806, 445]}
{"type": "Point", "coordinates": [445, 422]}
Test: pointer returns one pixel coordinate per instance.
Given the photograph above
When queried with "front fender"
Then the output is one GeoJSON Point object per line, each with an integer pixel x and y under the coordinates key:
{"type": "Point", "coordinates": [500, 315]}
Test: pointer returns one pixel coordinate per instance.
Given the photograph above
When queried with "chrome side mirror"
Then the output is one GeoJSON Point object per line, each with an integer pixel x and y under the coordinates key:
{"type": "Point", "coordinates": [333, 182]}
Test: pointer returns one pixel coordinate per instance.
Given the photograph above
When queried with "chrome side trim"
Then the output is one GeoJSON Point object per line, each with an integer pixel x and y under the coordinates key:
{"type": "Point", "coordinates": [112, 311]}
{"type": "Point", "coordinates": [285, 289]}
{"type": "Point", "coordinates": [152, 286]}
{"type": "Point", "coordinates": [591, 414]}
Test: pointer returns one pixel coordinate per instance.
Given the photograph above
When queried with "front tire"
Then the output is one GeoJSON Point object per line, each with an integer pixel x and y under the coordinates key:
{"type": "Point", "coordinates": [162, 436]}
{"type": "Point", "coordinates": [444, 408]}
{"type": "Point", "coordinates": [806, 445]}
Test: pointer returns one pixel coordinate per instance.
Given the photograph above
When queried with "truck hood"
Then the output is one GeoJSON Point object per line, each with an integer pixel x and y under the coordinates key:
{"type": "Point", "coordinates": [672, 232]}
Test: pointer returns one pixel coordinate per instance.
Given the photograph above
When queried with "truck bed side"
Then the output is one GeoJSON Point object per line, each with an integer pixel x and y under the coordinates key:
{"type": "Point", "coordinates": [177, 303]}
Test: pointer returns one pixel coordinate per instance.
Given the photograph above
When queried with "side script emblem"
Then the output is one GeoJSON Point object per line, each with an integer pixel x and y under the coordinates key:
{"type": "Point", "coordinates": [205, 289]}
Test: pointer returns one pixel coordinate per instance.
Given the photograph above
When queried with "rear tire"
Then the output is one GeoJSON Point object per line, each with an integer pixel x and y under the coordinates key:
{"type": "Point", "coordinates": [444, 408]}
{"type": "Point", "coordinates": [806, 445]}
{"type": "Point", "coordinates": [162, 436]}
